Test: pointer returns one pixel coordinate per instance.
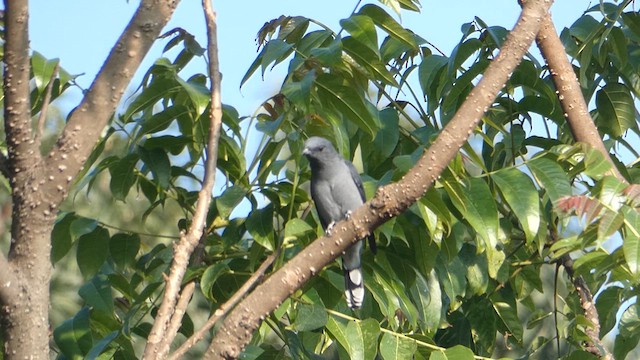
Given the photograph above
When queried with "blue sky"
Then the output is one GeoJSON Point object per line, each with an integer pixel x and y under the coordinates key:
{"type": "Point", "coordinates": [81, 33]}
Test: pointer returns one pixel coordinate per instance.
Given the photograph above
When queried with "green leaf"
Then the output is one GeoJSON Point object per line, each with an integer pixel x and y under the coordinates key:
{"type": "Point", "coordinates": [520, 193]}
{"type": "Point", "coordinates": [363, 30]}
{"type": "Point", "coordinates": [310, 317]}
{"type": "Point", "coordinates": [476, 203]}
{"type": "Point", "coordinates": [616, 109]}
{"type": "Point", "coordinates": [394, 347]}
{"type": "Point", "coordinates": [260, 226]}
{"type": "Point", "coordinates": [61, 240]}
{"type": "Point", "coordinates": [459, 352]}
{"type": "Point", "coordinates": [631, 243]}
{"type": "Point", "coordinates": [198, 93]}
{"type": "Point", "coordinates": [299, 92]}
{"type": "Point", "coordinates": [356, 340]}
{"type": "Point", "coordinates": [81, 226]}
{"type": "Point", "coordinates": [42, 70]}
{"type": "Point", "coordinates": [427, 296]}
{"type": "Point", "coordinates": [344, 98]}
{"type": "Point", "coordinates": [161, 120]}
{"type": "Point", "coordinates": [210, 276]}
{"type": "Point", "coordinates": [329, 55]}
{"type": "Point", "coordinates": [629, 328]}
{"type": "Point", "coordinates": [551, 177]}
{"type": "Point", "coordinates": [158, 162]}
{"type": "Point", "coordinates": [275, 51]}
{"type": "Point", "coordinates": [370, 332]}
{"type": "Point", "coordinates": [158, 89]}
{"type": "Point", "coordinates": [124, 248]}
{"type": "Point", "coordinates": [389, 25]}
{"type": "Point", "coordinates": [97, 294]}
{"type": "Point", "coordinates": [101, 345]}
{"type": "Point", "coordinates": [508, 314]}
{"type": "Point", "coordinates": [123, 176]}
{"type": "Point", "coordinates": [73, 336]}
{"type": "Point", "coordinates": [338, 330]}
{"type": "Point", "coordinates": [93, 250]}
{"type": "Point", "coordinates": [607, 304]}
{"type": "Point", "coordinates": [452, 279]}
{"type": "Point", "coordinates": [229, 199]}
{"type": "Point", "coordinates": [296, 228]}
{"type": "Point", "coordinates": [369, 61]}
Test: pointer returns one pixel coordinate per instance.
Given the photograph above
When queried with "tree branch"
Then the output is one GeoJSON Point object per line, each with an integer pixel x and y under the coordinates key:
{"type": "Point", "coordinates": [224, 309]}
{"type": "Point", "coordinates": [17, 104]}
{"type": "Point", "coordinates": [389, 200]}
{"type": "Point", "coordinates": [158, 344]}
{"type": "Point", "coordinates": [583, 130]}
{"type": "Point", "coordinates": [571, 98]}
{"type": "Point", "coordinates": [89, 119]}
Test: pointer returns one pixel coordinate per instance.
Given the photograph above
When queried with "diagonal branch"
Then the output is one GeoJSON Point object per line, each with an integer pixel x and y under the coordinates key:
{"type": "Point", "coordinates": [237, 329]}
{"type": "Point", "coordinates": [225, 308]}
{"type": "Point", "coordinates": [584, 130]}
{"type": "Point", "coordinates": [569, 93]}
{"type": "Point", "coordinates": [89, 119]}
{"type": "Point", "coordinates": [158, 345]}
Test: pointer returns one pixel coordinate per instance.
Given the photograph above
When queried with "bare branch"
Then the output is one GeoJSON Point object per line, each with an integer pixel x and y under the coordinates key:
{"type": "Point", "coordinates": [158, 343]}
{"type": "Point", "coordinates": [89, 119]}
{"type": "Point", "coordinates": [17, 104]}
{"type": "Point", "coordinates": [389, 201]}
{"type": "Point", "coordinates": [224, 309]}
{"type": "Point", "coordinates": [571, 98]}
{"type": "Point", "coordinates": [584, 130]}
{"type": "Point", "coordinates": [42, 119]}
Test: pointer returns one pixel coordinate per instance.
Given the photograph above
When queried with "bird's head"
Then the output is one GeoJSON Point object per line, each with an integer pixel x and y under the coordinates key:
{"type": "Point", "coordinates": [319, 150]}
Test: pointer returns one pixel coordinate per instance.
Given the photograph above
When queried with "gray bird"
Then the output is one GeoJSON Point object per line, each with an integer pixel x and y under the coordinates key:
{"type": "Point", "coordinates": [336, 189]}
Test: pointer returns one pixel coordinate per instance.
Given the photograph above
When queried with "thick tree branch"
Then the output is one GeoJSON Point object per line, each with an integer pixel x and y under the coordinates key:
{"type": "Point", "coordinates": [584, 130]}
{"type": "Point", "coordinates": [389, 201]}
{"type": "Point", "coordinates": [571, 98]}
{"type": "Point", "coordinates": [158, 344]}
{"type": "Point", "coordinates": [17, 104]}
{"type": "Point", "coordinates": [88, 120]}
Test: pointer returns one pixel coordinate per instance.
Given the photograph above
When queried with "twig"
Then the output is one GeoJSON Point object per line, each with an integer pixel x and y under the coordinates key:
{"type": "Point", "coordinates": [42, 119]}
{"type": "Point", "coordinates": [594, 346]}
{"type": "Point", "coordinates": [224, 309]}
{"type": "Point", "coordinates": [389, 201]}
{"type": "Point", "coordinates": [584, 130]}
{"type": "Point", "coordinates": [158, 344]}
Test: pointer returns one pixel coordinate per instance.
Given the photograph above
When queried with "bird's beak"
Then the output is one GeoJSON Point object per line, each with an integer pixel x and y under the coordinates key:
{"type": "Point", "coordinates": [306, 151]}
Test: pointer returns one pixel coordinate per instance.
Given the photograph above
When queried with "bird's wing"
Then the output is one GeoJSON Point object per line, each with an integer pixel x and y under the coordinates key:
{"type": "Point", "coordinates": [356, 180]}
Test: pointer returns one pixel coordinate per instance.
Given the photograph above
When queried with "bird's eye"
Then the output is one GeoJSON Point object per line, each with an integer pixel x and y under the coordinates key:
{"type": "Point", "coordinates": [321, 148]}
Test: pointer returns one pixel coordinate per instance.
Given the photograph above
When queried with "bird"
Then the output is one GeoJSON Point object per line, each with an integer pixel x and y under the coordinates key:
{"type": "Point", "coordinates": [336, 190]}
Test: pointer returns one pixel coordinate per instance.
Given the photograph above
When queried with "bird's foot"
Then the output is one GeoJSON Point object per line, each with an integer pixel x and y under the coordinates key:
{"type": "Point", "coordinates": [347, 215]}
{"type": "Point", "coordinates": [329, 229]}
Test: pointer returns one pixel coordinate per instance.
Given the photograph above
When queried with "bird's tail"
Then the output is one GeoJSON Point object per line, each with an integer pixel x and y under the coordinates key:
{"type": "Point", "coordinates": [353, 287]}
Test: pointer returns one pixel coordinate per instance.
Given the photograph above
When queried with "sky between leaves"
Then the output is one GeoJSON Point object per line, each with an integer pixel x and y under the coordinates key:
{"type": "Point", "coordinates": [82, 32]}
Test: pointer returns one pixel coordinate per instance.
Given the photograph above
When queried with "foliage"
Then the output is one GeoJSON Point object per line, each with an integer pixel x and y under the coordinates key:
{"type": "Point", "coordinates": [465, 266]}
